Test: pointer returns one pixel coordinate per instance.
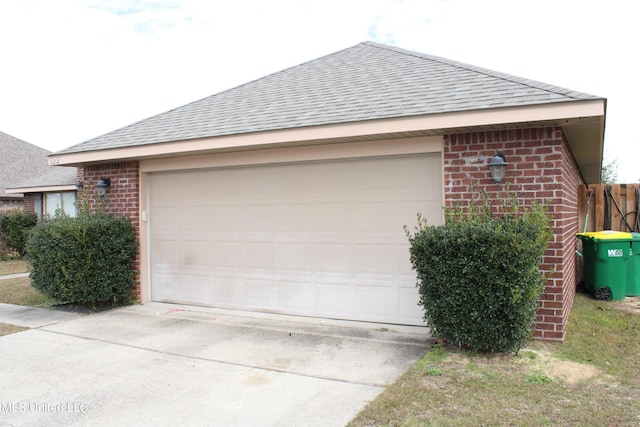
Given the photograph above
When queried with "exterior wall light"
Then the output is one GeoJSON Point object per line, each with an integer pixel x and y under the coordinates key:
{"type": "Point", "coordinates": [497, 166]}
{"type": "Point", "coordinates": [79, 185]}
{"type": "Point", "coordinates": [102, 185]}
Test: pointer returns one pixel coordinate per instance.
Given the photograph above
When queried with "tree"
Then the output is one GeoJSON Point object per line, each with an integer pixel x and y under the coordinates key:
{"type": "Point", "coordinates": [609, 173]}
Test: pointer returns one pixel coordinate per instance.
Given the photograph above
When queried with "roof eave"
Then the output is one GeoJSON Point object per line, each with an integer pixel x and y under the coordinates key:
{"type": "Point", "coordinates": [44, 189]}
{"type": "Point", "coordinates": [430, 123]}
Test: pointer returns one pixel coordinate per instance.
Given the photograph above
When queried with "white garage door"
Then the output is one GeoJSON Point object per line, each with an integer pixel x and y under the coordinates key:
{"type": "Point", "coordinates": [312, 238]}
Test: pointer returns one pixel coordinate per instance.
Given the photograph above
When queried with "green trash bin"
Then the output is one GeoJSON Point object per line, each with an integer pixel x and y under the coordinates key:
{"type": "Point", "coordinates": [589, 255]}
{"type": "Point", "coordinates": [633, 267]}
{"type": "Point", "coordinates": [606, 256]}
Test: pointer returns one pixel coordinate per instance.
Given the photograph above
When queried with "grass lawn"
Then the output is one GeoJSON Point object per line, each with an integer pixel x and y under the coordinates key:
{"type": "Point", "coordinates": [18, 291]}
{"type": "Point", "coordinates": [593, 379]}
{"type": "Point", "coordinates": [6, 329]}
{"type": "Point", "coordinates": [13, 267]}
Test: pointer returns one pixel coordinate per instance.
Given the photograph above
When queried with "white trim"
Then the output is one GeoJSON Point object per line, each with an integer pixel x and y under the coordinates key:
{"type": "Point", "coordinates": [389, 147]}
{"type": "Point", "coordinates": [49, 189]}
{"type": "Point", "coordinates": [432, 122]}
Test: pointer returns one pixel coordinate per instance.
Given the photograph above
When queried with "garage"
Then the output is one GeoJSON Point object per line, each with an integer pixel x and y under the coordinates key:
{"type": "Point", "coordinates": [316, 238]}
{"type": "Point", "coordinates": [288, 194]}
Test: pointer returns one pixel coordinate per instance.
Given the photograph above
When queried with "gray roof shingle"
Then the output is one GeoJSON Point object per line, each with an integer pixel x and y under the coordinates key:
{"type": "Point", "coordinates": [19, 161]}
{"type": "Point", "coordinates": [368, 81]}
{"type": "Point", "coordinates": [53, 176]}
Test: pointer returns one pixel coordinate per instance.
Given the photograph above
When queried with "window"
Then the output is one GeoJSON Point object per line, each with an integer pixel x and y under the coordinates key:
{"type": "Point", "coordinates": [65, 201]}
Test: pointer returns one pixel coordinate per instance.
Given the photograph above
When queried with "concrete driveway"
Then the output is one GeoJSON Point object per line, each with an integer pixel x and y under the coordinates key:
{"type": "Point", "coordinates": [162, 364]}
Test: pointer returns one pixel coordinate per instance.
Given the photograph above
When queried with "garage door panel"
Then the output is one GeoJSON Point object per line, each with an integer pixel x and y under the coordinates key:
{"type": "Point", "coordinates": [292, 257]}
{"type": "Point", "coordinates": [298, 297]}
{"type": "Point", "coordinates": [372, 216]}
{"type": "Point", "coordinates": [291, 217]}
{"type": "Point", "coordinates": [409, 309]}
{"type": "Point", "coordinates": [257, 217]}
{"type": "Point", "coordinates": [317, 238]}
{"type": "Point", "coordinates": [371, 259]}
{"type": "Point", "coordinates": [166, 217]}
{"type": "Point", "coordinates": [166, 286]}
{"type": "Point", "coordinates": [335, 299]}
{"type": "Point", "coordinates": [261, 293]}
{"type": "Point", "coordinates": [328, 178]}
{"type": "Point", "coordinates": [332, 257]}
{"type": "Point", "coordinates": [284, 187]}
{"type": "Point", "coordinates": [376, 301]}
{"type": "Point", "coordinates": [330, 217]}
{"type": "Point", "coordinates": [166, 254]}
{"type": "Point", "coordinates": [194, 289]}
{"type": "Point", "coordinates": [226, 289]}
{"type": "Point", "coordinates": [402, 264]}
{"type": "Point", "coordinates": [224, 218]}
{"type": "Point", "coordinates": [258, 256]}
{"type": "Point", "coordinates": [196, 218]}
{"type": "Point", "coordinates": [195, 255]}
{"type": "Point", "coordinates": [225, 254]}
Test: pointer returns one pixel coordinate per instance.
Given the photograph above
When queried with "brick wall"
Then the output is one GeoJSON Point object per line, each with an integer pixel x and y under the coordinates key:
{"type": "Point", "coordinates": [540, 167]}
{"type": "Point", "coordinates": [122, 198]}
{"type": "Point", "coordinates": [29, 202]}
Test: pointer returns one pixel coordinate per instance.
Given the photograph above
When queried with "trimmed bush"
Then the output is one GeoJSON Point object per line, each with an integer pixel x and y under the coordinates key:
{"type": "Point", "coordinates": [14, 229]}
{"type": "Point", "coordinates": [478, 274]}
{"type": "Point", "coordinates": [4, 250]}
{"type": "Point", "coordinates": [86, 260]}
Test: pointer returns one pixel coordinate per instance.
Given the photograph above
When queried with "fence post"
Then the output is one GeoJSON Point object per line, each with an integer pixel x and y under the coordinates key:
{"type": "Point", "coordinates": [616, 216]}
{"type": "Point", "coordinates": [582, 207]}
{"type": "Point", "coordinates": [600, 209]}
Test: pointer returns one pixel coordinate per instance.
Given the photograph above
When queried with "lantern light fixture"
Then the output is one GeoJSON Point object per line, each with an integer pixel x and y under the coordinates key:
{"type": "Point", "coordinates": [102, 186]}
{"type": "Point", "coordinates": [498, 166]}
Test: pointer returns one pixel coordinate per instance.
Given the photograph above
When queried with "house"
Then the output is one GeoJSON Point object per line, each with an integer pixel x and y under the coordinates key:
{"type": "Point", "coordinates": [53, 190]}
{"type": "Point", "coordinates": [19, 161]}
{"type": "Point", "coordinates": [289, 194]}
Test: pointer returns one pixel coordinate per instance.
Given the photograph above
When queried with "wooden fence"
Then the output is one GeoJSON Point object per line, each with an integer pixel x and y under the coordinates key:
{"type": "Point", "coordinates": [609, 207]}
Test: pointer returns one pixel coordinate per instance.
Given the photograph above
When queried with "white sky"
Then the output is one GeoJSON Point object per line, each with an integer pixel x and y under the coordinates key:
{"type": "Point", "coordinates": [71, 70]}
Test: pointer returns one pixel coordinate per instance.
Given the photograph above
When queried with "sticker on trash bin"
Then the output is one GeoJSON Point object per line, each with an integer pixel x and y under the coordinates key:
{"type": "Point", "coordinates": [615, 253]}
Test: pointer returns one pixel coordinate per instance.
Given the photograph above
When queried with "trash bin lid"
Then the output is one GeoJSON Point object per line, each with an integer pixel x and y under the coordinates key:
{"type": "Point", "coordinates": [608, 235]}
{"type": "Point", "coordinates": [635, 237]}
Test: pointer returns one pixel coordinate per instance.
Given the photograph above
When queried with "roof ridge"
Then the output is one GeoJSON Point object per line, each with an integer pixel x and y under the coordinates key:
{"type": "Point", "coordinates": [559, 90]}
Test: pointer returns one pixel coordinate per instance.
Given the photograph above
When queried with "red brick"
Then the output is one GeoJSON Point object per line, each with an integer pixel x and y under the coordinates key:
{"type": "Point", "coordinates": [541, 167]}
{"type": "Point", "coordinates": [122, 196]}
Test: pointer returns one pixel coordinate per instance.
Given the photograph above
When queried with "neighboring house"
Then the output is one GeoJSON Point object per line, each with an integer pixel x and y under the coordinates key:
{"type": "Point", "coordinates": [19, 161]}
{"type": "Point", "coordinates": [49, 192]}
{"type": "Point", "coordinates": [289, 194]}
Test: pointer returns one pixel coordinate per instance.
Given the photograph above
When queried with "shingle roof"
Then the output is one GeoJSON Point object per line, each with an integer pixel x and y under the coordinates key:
{"type": "Point", "coordinates": [54, 176]}
{"type": "Point", "coordinates": [19, 161]}
{"type": "Point", "coordinates": [368, 81]}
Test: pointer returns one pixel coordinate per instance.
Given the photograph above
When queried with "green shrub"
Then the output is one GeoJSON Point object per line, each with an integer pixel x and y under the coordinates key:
{"type": "Point", "coordinates": [14, 229]}
{"type": "Point", "coordinates": [478, 274]}
{"type": "Point", "coordinates": [4, 250]}
{"type": "Point", "coordinates": [86, 260]}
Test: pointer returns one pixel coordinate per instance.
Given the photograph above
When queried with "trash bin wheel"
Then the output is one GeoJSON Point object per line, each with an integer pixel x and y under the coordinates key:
{"type": "Point", "coordinates": [603, 294]}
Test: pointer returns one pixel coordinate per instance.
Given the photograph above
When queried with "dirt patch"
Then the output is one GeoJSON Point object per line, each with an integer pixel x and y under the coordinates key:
{"type": "Point", "coordinates": [571, 372]}
{"type": "Point", "coordinates": [631, 304]}
{"type": "Point", "coordinates": [562, 370]}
